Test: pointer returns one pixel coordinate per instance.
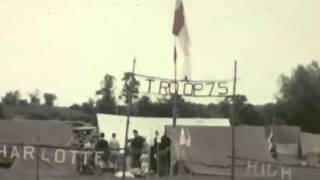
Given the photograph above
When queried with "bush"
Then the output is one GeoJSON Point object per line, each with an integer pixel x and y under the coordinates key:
{"type": "Point", "coordinates": [38, 116]}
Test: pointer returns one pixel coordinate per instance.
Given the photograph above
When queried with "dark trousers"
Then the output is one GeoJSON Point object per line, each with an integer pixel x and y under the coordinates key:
{"type": "Point", "coordinates": [164, 164]}
{"type": "Point", "coordinates": [136, 153]}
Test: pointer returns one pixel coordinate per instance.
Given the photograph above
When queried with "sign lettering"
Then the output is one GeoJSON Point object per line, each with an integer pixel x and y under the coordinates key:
{"type": "Point", "coordinates": [160, 86]}
{"type": "Point", "coordinates": [50, 156]}
{"type": "Point", "coordinates": [268, 170]}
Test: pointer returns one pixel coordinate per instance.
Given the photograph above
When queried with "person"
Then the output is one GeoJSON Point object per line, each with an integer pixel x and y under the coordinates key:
{"type": "Point", "coordinates": [164, 156]}
{"type": "Point", "coordinates": [137, 144]}
{"type": "Point", "coordinates": [128, 161]}
{"type": "Point", "coordinates": [79, 156]}
{"type": "Point", "coordinates": [144, 160]}
{"type": "Point", "coordinates": [114, 151]}
{"type": "Point", "coordinates": [103, 146]}
{"type": "Point", "coordinates": [89, 145]}
{"type": "Point", "coordinates": [153, 153]}
{"type": "Point", "coordinates": [85, 163]}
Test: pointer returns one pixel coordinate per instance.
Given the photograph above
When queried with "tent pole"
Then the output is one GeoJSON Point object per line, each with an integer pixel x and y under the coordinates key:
{"type": "Point", "coordinates": [233, 122]}
{"type": "Point", "coordinates": [157, 159]}
{"type": "Point", "coordinates": [37, 161]}
{"type": "Point", "coordinates": [128, 121]}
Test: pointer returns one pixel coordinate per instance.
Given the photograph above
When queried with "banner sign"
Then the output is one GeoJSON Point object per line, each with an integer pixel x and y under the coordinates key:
{"type": "Point", "coordinates": [162, 86]}
{"type": "Point", "coordinates": [268, 170]}
{"type": "Point", "coordinates": [51, 155]}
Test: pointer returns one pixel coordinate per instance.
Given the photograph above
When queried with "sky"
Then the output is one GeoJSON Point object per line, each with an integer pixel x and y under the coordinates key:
{"type": "Point", "coordinates": [66, 47]}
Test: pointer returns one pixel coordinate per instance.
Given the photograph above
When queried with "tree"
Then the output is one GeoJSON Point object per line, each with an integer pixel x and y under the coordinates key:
{"type": "Point", "coordinates": [130, 85]}
{"type": "Point", "coordinates": [164, 106]}
{"type": "Point", "coordinates": [34, 97]}
{"type": "Point", "coordinates": [213, 110]}
{"type": "Point", "coordinates": [11, 98]}
{"type": "Point", "coordinates": [107, 103]}
{"type": "Point", "coordinates": [299, 97]}
{"type": "Point", "coordinates": [49, 99]}
{"type": "Point", "coordinates": [224, 108]}
{"type": "Point", "coordinates": [144, 106]}
{"type": "Point", "coordinates": [226, 104]}
{"type": "Point", "coordinates": [269, 112]}
{"type": "Point", "coordinates": [250, 116]}
{"type": "Point", "coordinates": [88, 107]}
{"type": "Point", "coordinates": [1, 112]}
{"type": "Point", "coordinates": [75, 107]}
{"type": "Point", "coordinates": [23, 102]}
{"type": "Point", "coordinates": [244, 112]}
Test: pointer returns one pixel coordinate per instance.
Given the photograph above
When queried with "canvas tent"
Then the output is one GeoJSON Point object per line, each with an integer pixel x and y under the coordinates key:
{"type": "Point", "coordinates": [48, 133]}
{"type": "Point", "coordinates": [210, 147]}
{"type": "Point", "coordinates": [283, 134]}
{"type": "Point", "coordinates": [203, 154]}
{"type": "Point", "coordinates": [148, 125]}
{"type": "Point", "coordinates": [286, 140]}
{"type": "Point", "coordinates": [310, 147]}
{"type": "Point", "coordinates": [310, 143]}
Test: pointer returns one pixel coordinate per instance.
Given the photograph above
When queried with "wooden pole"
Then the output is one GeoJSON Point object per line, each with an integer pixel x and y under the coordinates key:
{"type": "Point", "coordinates": [233, 122]}
{"type": "Point", "coordinates": [157, 159]}
{"type": "Point", "coordinates": [37, 160]}
{"type": "Point", "coordinates": [174, 112]}
{"type": "Point", "coordinates": [128, 121]}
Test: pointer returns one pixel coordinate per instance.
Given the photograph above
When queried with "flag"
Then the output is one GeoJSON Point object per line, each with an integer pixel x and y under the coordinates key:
{"type": "Point", "coordinates": [186, 73]}
{"type": "Point", "coordinates": [270, 141]}
{"type": "Point", "coordinates": [178, 22]}
{"type": "Point", "coordinates": [185, 143]}
{"type": "Point", "coordinates": [179, 28]}
{"type": "Point", "coordinates": [185, 138]}
{"type": "Point", "coordinates": [180, 31]}
{"type": "Point", "coordinates": [182, 137]}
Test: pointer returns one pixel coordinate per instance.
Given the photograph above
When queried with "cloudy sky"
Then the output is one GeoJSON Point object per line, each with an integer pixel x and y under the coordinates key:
{"type": "Point", "coordinates": [66, 47]}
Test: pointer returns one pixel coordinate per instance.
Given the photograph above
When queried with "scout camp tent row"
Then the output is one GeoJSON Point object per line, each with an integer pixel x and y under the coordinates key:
{"type": "Point", "coordinates": [295, 147]}
{"type": "Point", "coordinates": [201, 152]}
{"type": "Point", "coordinates": [148, 125]}
{"type": "Point", "coordinates": [197, 152]}
{"type": "Point", "coordinates": [35, 132]}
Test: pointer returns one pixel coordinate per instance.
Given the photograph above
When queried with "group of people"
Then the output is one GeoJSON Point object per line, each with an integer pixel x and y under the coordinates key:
{"type": "Point", "coordinates": [160, 155]}
{"type": "Point", "coordinates": [108, 152]}
{"type": "Point", "coordinates": [140, 157]}
{"type": "Point", "coordinates": [150, 159]}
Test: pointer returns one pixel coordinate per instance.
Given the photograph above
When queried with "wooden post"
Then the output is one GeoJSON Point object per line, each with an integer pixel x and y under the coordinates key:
{"type": "Point", "coordinates": [233, 122]}
{"type": "Point", "coordinates": [128, 122]}
{"type": "Point", "coordinates": [37, 160]}
{"type": "Point", "coordinates": [174, 112]}
{"type": "Point", "coordinates": [157, 159]}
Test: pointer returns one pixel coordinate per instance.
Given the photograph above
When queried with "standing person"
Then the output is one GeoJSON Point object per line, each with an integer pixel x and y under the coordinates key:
{"type": "Point", "coordinates": [144, 160]}
{"type": "Point", "coordinates": [114, 151]}
{"type": "Point", "coordinates": [103, 146]}
{"type": "Point", "coordinates": [164, 156]}
{"type": "Point", "coordinates": [137, 144]}
{"type": "Point", "coordinates": [90, 144]}
{"type": "Point", "coordinates": [153, 153]}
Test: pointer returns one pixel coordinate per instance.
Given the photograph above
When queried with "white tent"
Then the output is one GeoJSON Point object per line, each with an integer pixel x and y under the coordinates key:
{"type": "Point", "coordinates": [147, 126]}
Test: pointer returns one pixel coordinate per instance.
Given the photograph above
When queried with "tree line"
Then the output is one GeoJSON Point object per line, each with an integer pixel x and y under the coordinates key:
{"type": "Point", "coordinates": [297, 102]}
{"type": "Point", "coordinates": [14, 98]}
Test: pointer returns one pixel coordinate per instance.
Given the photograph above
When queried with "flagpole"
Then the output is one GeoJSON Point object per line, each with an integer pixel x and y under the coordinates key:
{"type": "Point", "coordinates": [233, 122]}
{"type": "Point", "coordinates": [174, 113]}
{"type": "Point", "coordinates": [128, 121]}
